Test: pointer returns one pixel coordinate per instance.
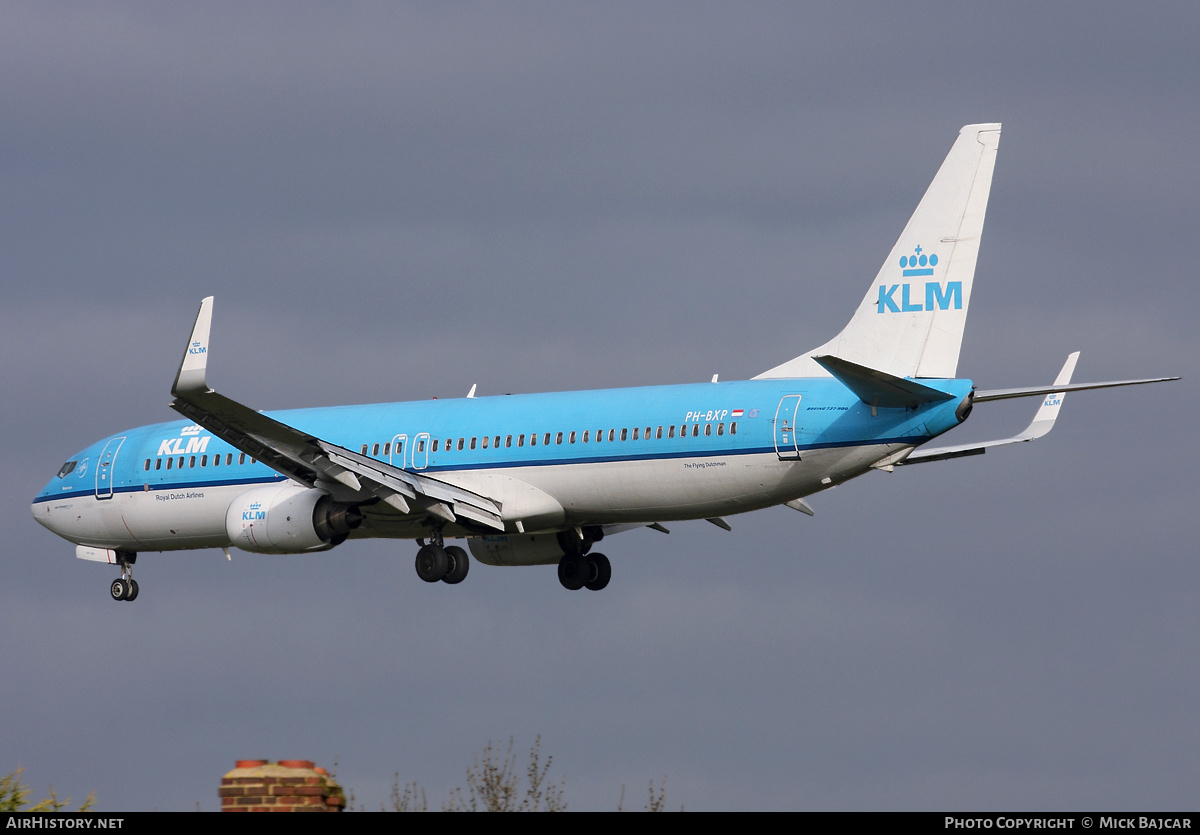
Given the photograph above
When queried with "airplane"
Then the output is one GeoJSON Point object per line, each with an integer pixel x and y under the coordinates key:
{"type": "Point", "coordinates": [540, 479]}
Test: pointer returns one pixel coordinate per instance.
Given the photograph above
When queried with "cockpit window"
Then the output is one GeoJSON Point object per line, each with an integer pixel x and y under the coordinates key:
{"type": "Point", "coordinates": [66, 468]}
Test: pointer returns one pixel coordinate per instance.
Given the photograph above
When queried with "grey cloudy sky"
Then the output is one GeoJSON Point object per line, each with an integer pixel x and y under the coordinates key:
{"type": "Point", "coordinates": [396, 201]}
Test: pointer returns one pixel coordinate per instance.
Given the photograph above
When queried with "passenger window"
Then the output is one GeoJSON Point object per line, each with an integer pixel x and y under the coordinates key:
{"type": "Point", "coordinates": [180, 463]}
{"type": "Point", "coordinates": [572, 439]}
{"type": "Point", "coordinates": [375, 449]}
{"type": "Point", "coordinates": [635, 433]}
{"type": "Point", "coordinates": [203, 460]}
{"type": "Point", "coordinates": [533, 439]}
{"type": "Point", "coordinates": [520, 440]}
{"type": "Point", "coordinates": [612, 434]}
{"type": "Point", "coordinates": [472, 443]}
{"type": "Point", "coordinates": [733, 428]}
{"type": "Point", "coordinates": [658, 434]}
{"type": "Point", "coordinates": [546, 440]}
{"type": "Point", "coordinates": [364, 451]}
{"type": "Point", "coordinates": [435, 445]}
{"type": "Point", "coordinates": [449, 444]}
{"type": "Point", "coordinates": [708, 429]}
{"type": "Point", "coordinates": [720, 429]}
{"type": "Point", "coordinates": [696, 431]}
{"type": "Point", "coordinates": [461, 442]}
{"type": "Point", "coordinates": [217, 460]}
{"type": "Point", "coordinates": [485, 441]}
{"type": "Point", "coordinates": [624, 434]}
{"type": "Point", "coordinates": [147, 467]}
{"type": "Point", "coordinates": [420, 446]}
{"type": "Point", "coordinates": [242, 457]}
{"type": "Point", "coordinates": [387, 448]}
{"type": "Point", "coordinates": [170, 463]}
{"type": "Point", "coordinates": [158, 463]}
{"type": "Point", "coordinates": [558, 438]}
{"type": "Point", "coordinates": [585, 436]}
{"type": "Point", "coordinates": [400, 449]}
{"type": "Point", "coordinates": [192, 461]}
{"type": "Point", "coordinates": [671, 431]}
{"type": "Point", "coordinates": [508, 440]}
{"type": "Point", "coordinates": [496, 442]}
{"type": "Point", "coordinates": [646, 434]}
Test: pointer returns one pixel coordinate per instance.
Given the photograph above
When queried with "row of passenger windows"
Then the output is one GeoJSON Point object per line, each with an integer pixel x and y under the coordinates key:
{"type": "Point", "coordinates": [558, 437]}
{"type": "Point", "coordinates": [471, 443]}
{"type": "Point", "coordinates": [192, 461]}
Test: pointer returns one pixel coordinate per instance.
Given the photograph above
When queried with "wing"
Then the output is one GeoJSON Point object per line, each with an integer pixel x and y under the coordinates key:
{"type": "Point", "coordinates": [310, 460]}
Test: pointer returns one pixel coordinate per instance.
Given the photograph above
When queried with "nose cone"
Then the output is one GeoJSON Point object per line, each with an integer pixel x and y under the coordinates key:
{"type": "Point", "coordinates": [43, 507]}
{"type": "Point", "coordinates": [42, 517]}
{"type": "Point", "coordinates": [58, 504]}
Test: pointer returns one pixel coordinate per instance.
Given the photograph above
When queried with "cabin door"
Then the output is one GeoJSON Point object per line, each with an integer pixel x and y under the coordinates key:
{"type": "Point", "coordinates": [104, 468]}
{"type": "Point", "coordinates": [420, 452]}
{"type": "Point", "coordinates": [785, 427]}
{"type": "Point", "coordinates": [399, 451]}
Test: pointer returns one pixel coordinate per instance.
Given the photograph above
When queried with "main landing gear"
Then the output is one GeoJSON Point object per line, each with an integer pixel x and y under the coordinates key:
{"type": "Point", "coordinates": [437, 562]}
{"type": "Point", "coordinates": [584, 571]}
{"type": "Point", "coordinates": [125, 587]}
{"type": "Point", "coordinates": [579, 568]}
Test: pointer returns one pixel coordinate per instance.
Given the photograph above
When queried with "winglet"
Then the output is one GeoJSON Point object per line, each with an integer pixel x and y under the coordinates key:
{"type": "Point", "coordinates": [1043, 421]}
{"type": "Point", "coordinates": [190, 379]}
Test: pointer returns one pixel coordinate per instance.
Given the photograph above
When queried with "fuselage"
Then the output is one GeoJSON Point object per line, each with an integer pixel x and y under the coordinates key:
{"type": "Point", "coordinates": [554, 460]}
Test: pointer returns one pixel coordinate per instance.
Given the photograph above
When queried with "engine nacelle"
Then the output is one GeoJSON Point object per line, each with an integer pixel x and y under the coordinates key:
{"type": "Point", "coordinates": [288, 519]}
{"type": "Point", "coordinates": [532, 548]}
{"type": "Point", "coordinates": [517, 549]}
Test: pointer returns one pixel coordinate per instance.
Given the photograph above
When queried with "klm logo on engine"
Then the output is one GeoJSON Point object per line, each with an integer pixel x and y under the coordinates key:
{"type": "Point", "coordinates": [255, 513]}
{"type": "Point", "coordinates": [934, 296]}
{"type": "Point", "coordinates": [189, 442]}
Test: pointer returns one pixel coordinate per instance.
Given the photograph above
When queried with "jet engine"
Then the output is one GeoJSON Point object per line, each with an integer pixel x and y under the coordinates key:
{"type": "Point", "coordinates": [288, 519]}
{"type": "Point", "coordinates": [532, 548]}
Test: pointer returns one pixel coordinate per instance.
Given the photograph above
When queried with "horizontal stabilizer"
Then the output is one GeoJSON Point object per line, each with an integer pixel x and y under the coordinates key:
{"type": "Point", "coordinates": [877, 389]}
{"type": "Point", "coordinates": [1043, 422]}
{"type": "Point", "coordinates": [1037, 391]}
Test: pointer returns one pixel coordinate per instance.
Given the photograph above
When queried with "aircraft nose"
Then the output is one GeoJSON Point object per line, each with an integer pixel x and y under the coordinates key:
{"type": "Point", "coordinates": [41, 513]}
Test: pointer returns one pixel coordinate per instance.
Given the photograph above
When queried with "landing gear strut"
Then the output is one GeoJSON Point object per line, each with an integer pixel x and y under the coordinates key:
{"type": "Point", "coordinates": [125, 587]}
{"type": "Point", "coordinates": [437, 562]}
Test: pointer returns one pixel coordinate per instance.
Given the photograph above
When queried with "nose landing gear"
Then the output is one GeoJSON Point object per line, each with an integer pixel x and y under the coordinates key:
{"type": "Point", "coordinates": [125, 587]}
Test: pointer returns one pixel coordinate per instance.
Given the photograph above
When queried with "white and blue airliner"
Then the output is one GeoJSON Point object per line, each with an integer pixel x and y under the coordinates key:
{"type": "Point", "coordinates": [540, 479]}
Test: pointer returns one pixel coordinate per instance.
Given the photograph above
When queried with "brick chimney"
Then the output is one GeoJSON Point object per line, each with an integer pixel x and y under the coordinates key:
{"type": "Point", "coordinates": [285, 786]}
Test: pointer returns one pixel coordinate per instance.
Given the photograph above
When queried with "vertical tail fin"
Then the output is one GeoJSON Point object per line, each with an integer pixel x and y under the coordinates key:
{"type": "Point", "coordinates": [910, 324]}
